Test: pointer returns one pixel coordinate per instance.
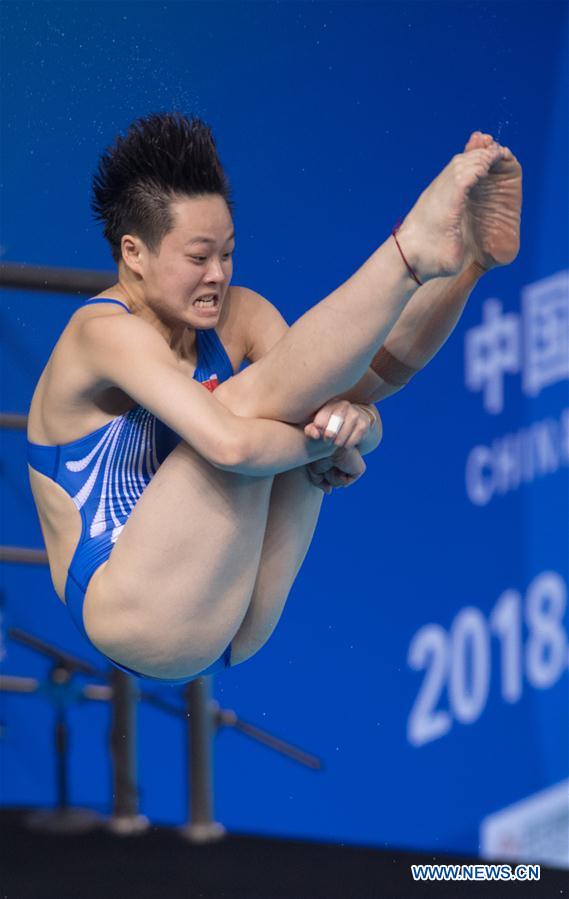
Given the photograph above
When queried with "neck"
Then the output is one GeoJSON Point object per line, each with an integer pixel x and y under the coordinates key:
{"type": "Point", "coordinates": [180, 337]}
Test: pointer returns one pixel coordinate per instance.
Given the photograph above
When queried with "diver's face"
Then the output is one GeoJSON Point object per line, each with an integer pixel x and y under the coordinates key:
{"type": "Point", "coordinates": [186, 281]}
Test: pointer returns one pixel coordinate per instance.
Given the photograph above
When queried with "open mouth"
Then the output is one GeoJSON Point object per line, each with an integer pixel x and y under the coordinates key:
{"type": "Point", "coordinates": [208, 301]}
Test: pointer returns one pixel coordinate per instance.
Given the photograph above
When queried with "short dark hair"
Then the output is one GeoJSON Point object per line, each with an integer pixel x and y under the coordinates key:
{"type": "Point", "coordinates": [163, 156]}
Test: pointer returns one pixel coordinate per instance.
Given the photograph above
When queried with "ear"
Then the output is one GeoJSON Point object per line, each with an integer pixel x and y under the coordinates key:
{"type": "Point", "coordinates": [133, 253]}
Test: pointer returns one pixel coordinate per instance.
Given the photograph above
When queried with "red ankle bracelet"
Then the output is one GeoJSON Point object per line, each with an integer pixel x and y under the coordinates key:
{"type": "Point", "coordinates": [409, 269]}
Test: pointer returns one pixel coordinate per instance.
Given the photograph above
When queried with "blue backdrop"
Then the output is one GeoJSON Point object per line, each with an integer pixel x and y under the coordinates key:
{"type": "Point", "coordinates": [423, 651]}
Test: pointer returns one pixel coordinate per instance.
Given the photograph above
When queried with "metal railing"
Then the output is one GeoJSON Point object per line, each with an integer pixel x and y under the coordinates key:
{"type": "Point", "coordinates": [80, 282]}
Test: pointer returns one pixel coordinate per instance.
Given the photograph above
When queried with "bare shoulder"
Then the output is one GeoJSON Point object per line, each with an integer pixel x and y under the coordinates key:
{"type": "Point", "coordinates": [257, 322]}
{"type": "Point", "coordinates": [63, 407]}
{"type": "Point", "coordinates": [91, 320]}
{"type": "Point", "coordinates": [65, 370]}
{"type": "Point", "coordinates": [247, 300]}
{"type": "Point", "coordinates": [112, 326]}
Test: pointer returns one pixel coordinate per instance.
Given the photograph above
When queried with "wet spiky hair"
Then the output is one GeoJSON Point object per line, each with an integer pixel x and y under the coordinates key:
{"type": "Point", "coordinates": [163, 156]}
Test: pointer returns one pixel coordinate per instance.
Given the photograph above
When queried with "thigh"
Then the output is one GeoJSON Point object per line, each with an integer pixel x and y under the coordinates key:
{"type": "Point", "coordinates": [180, 577]}
{"type": "Point", "coordinates": [293, 514]}
{"type": "Point", "coordinates": [293, 380]}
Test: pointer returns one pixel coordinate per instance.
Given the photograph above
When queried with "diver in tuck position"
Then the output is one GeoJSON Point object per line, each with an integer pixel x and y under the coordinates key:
{"type": "Point", "coordinates": [176, 517]}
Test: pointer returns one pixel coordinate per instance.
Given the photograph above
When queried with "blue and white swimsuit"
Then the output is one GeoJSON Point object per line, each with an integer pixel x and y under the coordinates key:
{"type": "Point", "coordinates": [106, 472]}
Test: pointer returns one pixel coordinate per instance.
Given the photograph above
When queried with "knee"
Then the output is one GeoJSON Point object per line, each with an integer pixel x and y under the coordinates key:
{"type": "Point", "coordinates": [246, 643]}
{"type": "Point", "coordinates": [159, 653]}
{"type": "Point", "coordinates": [244, 649]}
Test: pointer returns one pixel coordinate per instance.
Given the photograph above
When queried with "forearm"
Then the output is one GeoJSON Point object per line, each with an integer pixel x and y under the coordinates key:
{"type": "Point", "coordinates": [267, 447]}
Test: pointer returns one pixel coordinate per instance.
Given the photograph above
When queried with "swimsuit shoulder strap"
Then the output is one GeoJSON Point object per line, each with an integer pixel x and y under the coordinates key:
{"type": "Point", "coordinates": [212, 357]}
{"type": "Point", "coordinates": [106, 300]}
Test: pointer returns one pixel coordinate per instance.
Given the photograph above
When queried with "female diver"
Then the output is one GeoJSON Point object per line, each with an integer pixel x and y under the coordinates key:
{"type": "Point", "coordinates": [176, 518]}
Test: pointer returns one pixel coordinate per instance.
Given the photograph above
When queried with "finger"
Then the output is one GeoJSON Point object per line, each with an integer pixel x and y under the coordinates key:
{"type": "Point", "coordinates": [340, 478]}
{"type": "Point", "coordinates": [328, 417]}
{"type": "Point", "coordinates": [312, 431]}
{"type": "Point", "coordinates": [322, 465]}
{"type": "Point", "coordinates": [348, 460]}
{"type": "Point", "coordinates": [352, 423]}
{"type": "Point", "coordinates": [322, 415]}
{"type": "Point", "coordinates": [350, 479]}
{"type": "Point", "coordinates": [336, 478]}
{"type": "Point", "coordinates": [343, 435]}
{"type": "Point", "coordinates": [357, 435]}
{"type": "Point", "coordinates": [353, 463]}
{"type": "Point", "coordinates": [333, 426]}
{"type": "Point", "coordinates": [326, 485]}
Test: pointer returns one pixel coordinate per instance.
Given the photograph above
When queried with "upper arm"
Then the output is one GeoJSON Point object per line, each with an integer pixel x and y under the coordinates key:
{"type": "Point", "coordinates": [128, 353]}
{"type": "Point", "coordinates": [262, 324]}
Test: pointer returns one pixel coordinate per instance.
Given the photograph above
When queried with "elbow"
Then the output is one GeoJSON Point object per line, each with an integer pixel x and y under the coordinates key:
{"type": "Point", "coordinates": [231, 454]}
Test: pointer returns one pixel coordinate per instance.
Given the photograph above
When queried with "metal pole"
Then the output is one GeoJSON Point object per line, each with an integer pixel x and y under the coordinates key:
{"type": "Point", "coordinates": [13, 421]}
{"type": "Point", "coordinates": [201, 828]}
{"type": "Point", "coordinates": [22, 554]}
{"type": "Point", "coordinates": [80, 282]}
{"type": "Point", "coordinates": [63, 819]}
{"type": "Point", "coordinates": [61, 747]}
{"type": "Point", "coordinates": [125, 818]}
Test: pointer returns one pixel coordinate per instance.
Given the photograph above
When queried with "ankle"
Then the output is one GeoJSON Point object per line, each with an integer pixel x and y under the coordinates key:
{"type": "Point", "coordinates": [409, 244]}
{"type": "Point", "coordinates": [426, 255]}
{"type": "Point", "coordinates": [409, 268]}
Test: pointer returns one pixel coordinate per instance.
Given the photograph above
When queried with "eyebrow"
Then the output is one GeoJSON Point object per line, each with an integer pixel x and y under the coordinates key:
{"type": "Point", "coordinates": [209, 239]}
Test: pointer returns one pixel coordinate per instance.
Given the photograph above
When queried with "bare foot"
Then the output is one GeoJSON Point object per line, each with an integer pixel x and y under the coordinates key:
{"type": "Point", "coordinates": [493, 209]}
{"type": "Point", "coordinates": [442, 230]}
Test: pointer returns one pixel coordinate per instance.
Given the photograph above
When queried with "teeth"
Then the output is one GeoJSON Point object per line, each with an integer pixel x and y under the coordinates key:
{"type": "Point", "coordinates": [203, 301]}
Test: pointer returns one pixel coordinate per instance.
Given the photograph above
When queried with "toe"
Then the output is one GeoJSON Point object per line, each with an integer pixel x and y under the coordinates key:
{"type": "Point", "coordinates": [475, 141]}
